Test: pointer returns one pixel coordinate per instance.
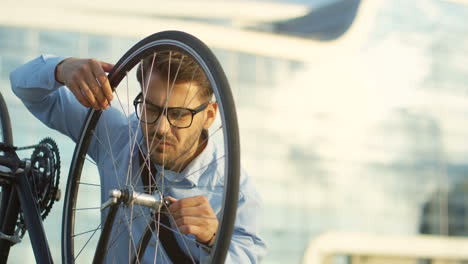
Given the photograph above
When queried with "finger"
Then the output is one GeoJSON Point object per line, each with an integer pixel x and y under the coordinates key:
{"type": "Point", "coordinates": [88, 94]}
{"type": "Point", "coordinates": [99, 72]}
{"type": "Point", "coordinates": [188, 202]}
{"type": "Point", "coordinates": [202, 211]}
{"type": "Point", "coordinates": [79, 96]}
{"type": "Point", "coordinates": [107, 67]}
{"type": "Point", "coordinates": [75, 89]}
{"type": "Point", "coordinates": [193, 220]}
{"type": "Point", "coordinates": [95, 88]}
{"type": "Point", "coordinates": [171, 199]}
{"type": "Point", "coordinates": [191, 229]}
{"type": "Point", "coordinates": [202, 234]}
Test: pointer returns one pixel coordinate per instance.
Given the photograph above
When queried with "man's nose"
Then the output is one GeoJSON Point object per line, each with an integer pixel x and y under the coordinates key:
{"type": "Point", "coordinates": [163, 125]}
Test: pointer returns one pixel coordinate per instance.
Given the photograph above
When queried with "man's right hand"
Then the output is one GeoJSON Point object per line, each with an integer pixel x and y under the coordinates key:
{"type": "Point", "coordinates": [87, 80]}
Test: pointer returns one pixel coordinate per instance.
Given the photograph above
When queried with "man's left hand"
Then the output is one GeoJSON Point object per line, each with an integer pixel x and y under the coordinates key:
{"type": "Point", "coordinates": [194, 215]}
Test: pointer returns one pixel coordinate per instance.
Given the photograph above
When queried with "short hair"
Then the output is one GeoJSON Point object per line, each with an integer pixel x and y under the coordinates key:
{"type": "Point", "coordinates": [179, 67]}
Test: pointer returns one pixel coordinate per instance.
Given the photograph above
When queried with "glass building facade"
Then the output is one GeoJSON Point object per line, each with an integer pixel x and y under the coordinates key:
{"type": "Point", "coordinates": [371, 142]}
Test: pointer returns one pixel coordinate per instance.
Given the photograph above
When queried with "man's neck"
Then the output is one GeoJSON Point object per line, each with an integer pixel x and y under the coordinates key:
{"type": "Point", "coordinates": [201, 145]}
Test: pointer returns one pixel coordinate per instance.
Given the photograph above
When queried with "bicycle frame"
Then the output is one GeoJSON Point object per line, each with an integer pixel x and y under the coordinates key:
{"type": "Point", "coordinates": [23, 195]}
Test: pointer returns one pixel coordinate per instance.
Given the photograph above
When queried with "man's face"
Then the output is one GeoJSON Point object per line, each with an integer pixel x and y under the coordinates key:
{"type": "Point", "coordinates": [170, 146]}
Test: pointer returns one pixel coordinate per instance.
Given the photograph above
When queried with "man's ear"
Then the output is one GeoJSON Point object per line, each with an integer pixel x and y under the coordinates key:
{"type": "Point", "coordinates": [211, 112]}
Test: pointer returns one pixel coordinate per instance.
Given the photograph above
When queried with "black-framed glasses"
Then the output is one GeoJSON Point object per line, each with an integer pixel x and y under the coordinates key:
{"type": "Point", "coordinates": [179, 117]}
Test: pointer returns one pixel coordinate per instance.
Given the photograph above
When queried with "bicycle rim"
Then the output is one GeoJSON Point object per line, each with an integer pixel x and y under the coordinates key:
{"type": "Point", "coordinates": [82, 219]}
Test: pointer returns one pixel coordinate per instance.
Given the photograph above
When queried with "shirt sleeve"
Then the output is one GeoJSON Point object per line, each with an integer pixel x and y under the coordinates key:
{"type": "Point", "coordinates": [56, 106]}
{"type": "Point", "coordinates": [246, 244]}
{"type": "Point", "coordinates": [48, 100]}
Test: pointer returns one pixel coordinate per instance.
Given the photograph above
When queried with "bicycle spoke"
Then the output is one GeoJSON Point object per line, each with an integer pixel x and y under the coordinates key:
{"type": "Point", "coordinates": [86, 232]}
{"type": "Point", "coordinates": [88, 184]}
{"type": "Point", "coordinates": [90, 160]}
{"type": "Point", "coordinates": [89, 239]}
{"type": "Point", "coordinates": [89, 208]}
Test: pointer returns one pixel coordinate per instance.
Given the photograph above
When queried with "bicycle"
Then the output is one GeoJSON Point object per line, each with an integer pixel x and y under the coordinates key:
{"type": "Point", "coordinates": [127, 202]}
{"type": "Point", "coordinates": [29, 188]}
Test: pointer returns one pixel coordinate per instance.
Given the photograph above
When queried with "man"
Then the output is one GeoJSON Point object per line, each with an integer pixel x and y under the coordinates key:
{"type": "Point", "coordinates": [173, 115]}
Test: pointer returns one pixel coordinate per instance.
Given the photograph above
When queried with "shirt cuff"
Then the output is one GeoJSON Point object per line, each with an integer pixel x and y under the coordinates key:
{"type": "Point", "coordinates": [51, 63]}
{"type": "Point", "coordinates": [204, 254]}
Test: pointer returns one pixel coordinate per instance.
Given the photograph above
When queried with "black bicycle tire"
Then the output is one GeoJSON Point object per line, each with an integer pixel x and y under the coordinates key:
{"type": "Point", "coordinates": [224, 96]}
{"type": "Point", "coordinates": [7, 138]}
{"type": "Point", "coordinates": [7, 220]}
{"type": "Point", "coordinates": [5, 121]}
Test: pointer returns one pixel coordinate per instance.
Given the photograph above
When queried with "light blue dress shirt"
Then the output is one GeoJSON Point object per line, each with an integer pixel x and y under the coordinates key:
{"type": "Point", "coordinates": [34, 83]}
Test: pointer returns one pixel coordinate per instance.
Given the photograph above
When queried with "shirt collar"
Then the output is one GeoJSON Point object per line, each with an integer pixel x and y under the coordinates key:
{"type": "Point", "coordinates": [200, 164]}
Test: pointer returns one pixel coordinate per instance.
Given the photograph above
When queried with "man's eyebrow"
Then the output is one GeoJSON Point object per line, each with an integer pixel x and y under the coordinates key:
{"type": "Point", "coordinates": [161, 107]}
{"type": "Point", "coordinates": [152, 104]}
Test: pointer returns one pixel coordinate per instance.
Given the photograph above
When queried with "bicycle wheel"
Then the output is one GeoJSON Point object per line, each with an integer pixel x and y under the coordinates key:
{"type": "Point", "coordinates": [8, 217]}
{"type": "Point", "coordinates": [168, 74]}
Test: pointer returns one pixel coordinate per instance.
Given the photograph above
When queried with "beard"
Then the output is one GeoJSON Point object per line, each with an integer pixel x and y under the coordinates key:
{"type": "Point", "coordinates": [171, 154]}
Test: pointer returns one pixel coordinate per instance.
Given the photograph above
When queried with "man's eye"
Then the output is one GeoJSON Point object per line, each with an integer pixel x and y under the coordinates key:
{"type": "Point", "coordinates": [152, 110]}
{"type": "Point", "coordinates": [178, 113]}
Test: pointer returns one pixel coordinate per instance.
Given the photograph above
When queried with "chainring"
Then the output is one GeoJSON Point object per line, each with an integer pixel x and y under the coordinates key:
{"type": "Point", "coordinates": [44, 178]}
